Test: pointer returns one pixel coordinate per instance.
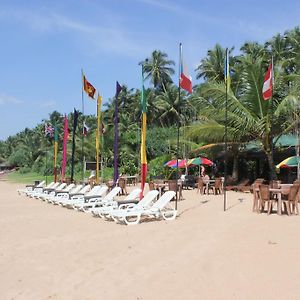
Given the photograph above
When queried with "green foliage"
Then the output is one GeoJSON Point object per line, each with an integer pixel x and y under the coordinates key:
{"type": "Point", "coordinates": [19, 158]}
{"type": "Point", "coordinates": [202, 112]}
{"type": "Point", "coordinates": [156, 167]}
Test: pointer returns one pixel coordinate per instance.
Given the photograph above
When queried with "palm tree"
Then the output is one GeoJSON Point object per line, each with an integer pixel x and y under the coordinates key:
{"type": "Point", "coordinates": [170, 109]}
{"type": "Point", "coordinates": [212, 66]}
{"type": "Point", "coordinates": [158, 69]}
{"type": "Point", "coordinates": [249, 116]}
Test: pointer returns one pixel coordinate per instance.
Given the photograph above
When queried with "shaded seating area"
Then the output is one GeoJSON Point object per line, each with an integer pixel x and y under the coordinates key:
{"type": "Point", "coordinates": [284, 197]}
{"type": "Point", "coordinates": [189, 182]}
{"type": "Point", "coordinates": [242, 186]}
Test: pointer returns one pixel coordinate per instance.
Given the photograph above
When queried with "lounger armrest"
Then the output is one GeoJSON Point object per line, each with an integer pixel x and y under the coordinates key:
{"type": "Point", "coordinates": [77, 197]}
{"type": "Point", "coordinates": [127, 206]}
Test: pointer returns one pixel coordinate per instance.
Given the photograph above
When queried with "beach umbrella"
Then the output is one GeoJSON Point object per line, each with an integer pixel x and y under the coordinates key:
{"type": "Point", "coordinates": [200, 161]}
{"type": "Point", "coordinates": [289, 162]}
{"type": "Point", "coordinates": [173, 163]}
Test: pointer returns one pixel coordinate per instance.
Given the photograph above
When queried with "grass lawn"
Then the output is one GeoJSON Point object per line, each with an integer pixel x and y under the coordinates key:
{"type": "Point", "coordinates": [26, 177]}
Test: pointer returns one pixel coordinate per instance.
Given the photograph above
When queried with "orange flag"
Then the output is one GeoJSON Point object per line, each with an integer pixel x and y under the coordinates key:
{"type": "Point", "coordinates": [88, 88]}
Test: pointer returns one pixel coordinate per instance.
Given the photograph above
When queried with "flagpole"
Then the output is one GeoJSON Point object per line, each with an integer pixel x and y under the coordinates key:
{"type": "Point", "coordinates": [102, 155]}
{"type": "Point", "coordinates": [116, 137]}
{"type": "Point", "coordinates": [178, 126]}
{"type": "Point", "coordinates": [272, 126]}
{"type": "Point", "coordinates": [46, 169]}
{"type": "Point", "coordinates": [225, 133]}
{"type": "Point", "coordinates": [99, 100]}
{"type": "Point", "coordinates": [82, 136]}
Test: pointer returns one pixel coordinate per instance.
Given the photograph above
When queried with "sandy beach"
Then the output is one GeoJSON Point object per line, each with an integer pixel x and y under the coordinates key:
{"type": "Point", "coordinates": [49, 252]}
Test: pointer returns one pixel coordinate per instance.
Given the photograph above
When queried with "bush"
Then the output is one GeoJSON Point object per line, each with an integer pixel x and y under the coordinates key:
{"type": "Point", "coordinates": [24, 170]}
{"type": "Point", "coordinates": [156, 167]}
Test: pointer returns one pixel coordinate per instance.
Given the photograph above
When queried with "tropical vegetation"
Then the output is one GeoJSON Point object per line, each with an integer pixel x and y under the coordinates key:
{"type": "Point", "coordinates": [201, 115]}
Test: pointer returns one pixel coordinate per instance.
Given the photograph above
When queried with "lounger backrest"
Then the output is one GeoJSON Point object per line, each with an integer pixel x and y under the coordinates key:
{"type": "Point", "coordinates": [94, 191]}
{"type": "Point", "coordinates": [163, 200]}
{"type": "Point", "coordinates": [41, 184]}
{"type": "Point", "coordinates": [69, 187]}
{"type": "Point", "coordinates": [55, 185]}
{"type": "Point", "coordinates": [61, 186]}
{"type": "Point", "coordinates": [85, 189]}
{"type": "Point", "coordinates": [133, 194]}
{"type": "Point", "coordinates": [76, 189]}
{"type": "Point", "coordinates": [149, 197]}
{"type": "Point", "coordinates": [113, 193]}
{"type": "Point", "coordinates": [101, 191]}
{"type": "Point", "coordinates": [50, 185]}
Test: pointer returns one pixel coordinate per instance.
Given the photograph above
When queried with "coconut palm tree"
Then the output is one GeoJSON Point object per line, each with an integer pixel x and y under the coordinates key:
{"type": "Point", "coordinates": [212, 66]}
{"type": "Point", "coordinates": [249, 116]}
{"type": "Point", "coordinates": [158, 68]}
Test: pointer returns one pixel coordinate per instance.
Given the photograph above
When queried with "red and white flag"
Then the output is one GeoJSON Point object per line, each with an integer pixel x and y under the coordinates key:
{"type": "Point", "coordinates": [268, 83]}
{"type": "Point", "coordinates": [185, 78]}
{"type": "Point", "coordinates": [85, 129]}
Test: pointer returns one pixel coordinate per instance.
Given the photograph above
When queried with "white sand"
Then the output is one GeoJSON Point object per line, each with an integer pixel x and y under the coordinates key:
{"type": "Point", "coordinates": [49, 252]}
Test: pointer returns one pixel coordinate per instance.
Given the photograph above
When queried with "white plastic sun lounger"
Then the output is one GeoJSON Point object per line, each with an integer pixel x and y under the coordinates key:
{"type": "Point", "coordinates": [51, 192]}
{"type": "Point", "coordinates": [30, 188]}
{"type": "Point", "coordinates": [45, 189]}
{"type": "Point", "coordinates": [61, 196]}
{"type": "Point", "coordinates": [65, 190]}
{"type": "Point", "coordinates": [38, 189]}
{"type": "Point", "coordinates": [105, 210]}
{"type": "Point", "coordinates": [81, 198]}
{"type": "Point", "coordinates": [161, 208]}
{"type": "Point", "coordinates": [90, 202]}
{"type": "Point", "coordinates": [73, 197]}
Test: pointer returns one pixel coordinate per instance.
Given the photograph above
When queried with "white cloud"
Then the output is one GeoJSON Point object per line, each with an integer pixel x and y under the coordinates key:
{"type": "Point", "coordinates": [103, 37]}
{"type": "Point", "coordinates": [6, 99]}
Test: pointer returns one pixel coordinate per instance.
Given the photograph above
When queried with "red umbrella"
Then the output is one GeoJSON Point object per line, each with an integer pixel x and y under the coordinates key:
{"type": "Point", "coordinates": [173, 163]}
{"type": "Point", "coordinates": [200, 161]}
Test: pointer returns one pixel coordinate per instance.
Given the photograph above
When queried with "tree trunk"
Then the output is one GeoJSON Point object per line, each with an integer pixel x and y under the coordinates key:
{"type": "Point", "coordinates": [273, 175]}
{"type": "Point", "coordinates": [235, 168]}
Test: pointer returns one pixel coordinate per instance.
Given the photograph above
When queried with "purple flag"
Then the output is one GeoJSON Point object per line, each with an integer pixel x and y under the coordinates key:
{"type": "Point", "coordinates": [116, 140]}
{"type": "Point", "coordinates": [64, 156]}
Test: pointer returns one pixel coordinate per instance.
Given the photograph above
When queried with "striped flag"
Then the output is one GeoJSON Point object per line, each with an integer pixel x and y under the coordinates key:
{"type": "Point", "coordinates": [85, 129]}
{"type": "Point", "coordinates": [185, 78]}
{"type": "Point", "coordinates": [143, 138]}
{"type": "Point", "coordinates": [268, 83]}
{"type": "Point", "coordinates": [49, 130]}
{"type": "Point", "coordinates": [227, 70]}
{"type": "Point", "coordinates": [65, 143]}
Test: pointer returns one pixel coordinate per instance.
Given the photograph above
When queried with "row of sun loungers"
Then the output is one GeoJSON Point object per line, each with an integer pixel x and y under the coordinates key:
{"type": "Point", "coordinates": [99, 202]}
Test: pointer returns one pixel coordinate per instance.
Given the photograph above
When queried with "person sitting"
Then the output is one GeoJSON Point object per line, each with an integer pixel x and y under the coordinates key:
{"type": "Point", "coordinates": [206, 178]}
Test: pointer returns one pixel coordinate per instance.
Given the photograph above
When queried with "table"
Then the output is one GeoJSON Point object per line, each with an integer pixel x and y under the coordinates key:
{"type": "Point", "coordinates": [130, 179]}
{"type": "Point", "coordinates": [285, 185]}
{"type": "Point", "coordinates": [279, 192]}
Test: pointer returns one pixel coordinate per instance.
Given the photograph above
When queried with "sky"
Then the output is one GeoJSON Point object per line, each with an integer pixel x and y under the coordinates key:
{"type": "Point", "coordinates": [45, 44]}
